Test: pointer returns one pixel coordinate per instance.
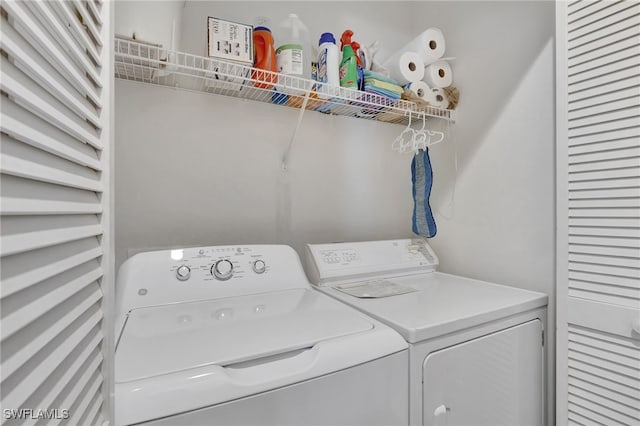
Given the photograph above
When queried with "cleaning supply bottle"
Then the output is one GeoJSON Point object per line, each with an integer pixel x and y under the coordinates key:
{"type": "Point", "coordinates": [264, 58]}
{"type": "Point", "coordinates": [328, 61]}
{"type": "Point", "coordinates": [349, 64]}
{"type": "Point", "coordinates": [293, 54]}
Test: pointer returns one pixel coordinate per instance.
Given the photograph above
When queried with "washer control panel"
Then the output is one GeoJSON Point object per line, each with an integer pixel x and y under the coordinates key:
{"type": "Point", "coordinates": [217, 263]}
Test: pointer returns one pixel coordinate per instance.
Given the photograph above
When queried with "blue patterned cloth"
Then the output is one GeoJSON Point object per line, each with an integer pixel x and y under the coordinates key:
{"type": "Point", "coordinates": [422, 177]}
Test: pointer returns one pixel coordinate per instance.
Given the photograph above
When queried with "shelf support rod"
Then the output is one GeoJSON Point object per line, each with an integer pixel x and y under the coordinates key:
{"type": "Point", "coordinates": [287, 153]}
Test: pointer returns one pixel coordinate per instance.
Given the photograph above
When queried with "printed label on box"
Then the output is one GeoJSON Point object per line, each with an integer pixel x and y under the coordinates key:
{"type": "Point", "coordinates": [230, 40]}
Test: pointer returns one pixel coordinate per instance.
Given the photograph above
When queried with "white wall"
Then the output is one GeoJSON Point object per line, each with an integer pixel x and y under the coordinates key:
{"type": "Point", "coordinates": [501, 224]}
{"type": "Point", "coordinates": [187, 173]}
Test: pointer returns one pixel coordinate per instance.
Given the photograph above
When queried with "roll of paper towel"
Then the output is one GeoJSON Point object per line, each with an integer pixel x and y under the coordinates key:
{"type": "Point", "coordinates": [429, 45]}
{"type": "Point", "coordinates": [421, 89]}
{"type": "Point", "coordinates": [437, 98]}
{"type": "Point", "coordinates": [438, 74]}
{"type": "Point", "coordinates": [405, 67]}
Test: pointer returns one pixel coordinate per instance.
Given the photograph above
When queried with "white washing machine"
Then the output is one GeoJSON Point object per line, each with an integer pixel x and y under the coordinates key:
{"type": "Point", "coordinates": [235, 335]}
{"type": "Point", "coordinates": [476, 354]}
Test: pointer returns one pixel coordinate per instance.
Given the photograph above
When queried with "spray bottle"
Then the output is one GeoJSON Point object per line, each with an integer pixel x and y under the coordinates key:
{"type": "Point", "coordinates": [349, 64]}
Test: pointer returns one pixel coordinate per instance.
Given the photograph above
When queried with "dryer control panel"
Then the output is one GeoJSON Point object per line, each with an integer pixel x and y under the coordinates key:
{"type": "Point", "coordinates": [348, 262]}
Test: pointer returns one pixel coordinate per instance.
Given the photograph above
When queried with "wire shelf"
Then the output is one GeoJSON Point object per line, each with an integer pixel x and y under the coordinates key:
{"type": "Point", "coordinates": [156, 65]}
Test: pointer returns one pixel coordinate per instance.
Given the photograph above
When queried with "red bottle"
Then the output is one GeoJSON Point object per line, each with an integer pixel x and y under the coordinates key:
{"type": "Point", "coordinates": [264, 58]}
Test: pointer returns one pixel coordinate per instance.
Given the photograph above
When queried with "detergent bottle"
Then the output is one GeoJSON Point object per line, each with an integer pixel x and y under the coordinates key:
{"type": "Point", "coordinates": [349, 64]}
{"type": "Point", "coordinates": [264, 58]}
{"type": "Point", "coordinates": [293, 54]}
{"type": "Point", "coordinates": [328, 61]}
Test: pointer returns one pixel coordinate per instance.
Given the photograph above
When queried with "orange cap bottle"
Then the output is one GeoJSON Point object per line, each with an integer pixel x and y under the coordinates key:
{"type": "Point", "coordinates": [264, 58]}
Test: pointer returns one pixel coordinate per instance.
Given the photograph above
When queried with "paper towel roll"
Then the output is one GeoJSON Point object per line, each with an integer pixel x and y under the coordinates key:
{"type": "Point", "coordinates": [405, 67]}
{"type": "Point", "coordinates": [438, 74]}
{"type": "Point", "coordinates": [437, 98]}
{"type": "Point", "coordinates": [429, 45]}
{"type": "Point", "coordinates": [420, 88]}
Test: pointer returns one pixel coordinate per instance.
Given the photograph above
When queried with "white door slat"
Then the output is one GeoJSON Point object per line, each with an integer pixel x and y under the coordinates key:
{"type": "Point", "coordinates": [46, 296]}
{"type": "Point", "coordinates": [629, 355]}
{"type": "Point", "coordinates": [604, 99]}
{"type": "Point", "coordinates": [95, 13]}
{"type": "Point", "coordinates": [605, 359]}
{"type": "Point", "coordinates": [593, 415]}
{"type": "Point", "coordinates": [26, 161]}
{"type": "Point", "coordinates": [599, 12]}
{"type": "Point", "coordinates": [28, 60]}
{"type": "Point", "coordinates": [628, 143]}
{"type": "Point", "coordinates": [87, 358]}
{"type": "Point", "coordinates": [632, 182]}
{"type": "Point", "coordinates": [603, 193]}
{"type": "Point", "coordinates": [23, 126]}
{"type": "Point", "coordinates": [585, 9]}
{"type": "Point", "coordinates": [88, 22]}
{"type": "Point", "coordinates": [594, 111]}
{"type": "Point", "coordinates": [574, 5]}
{"type": "Point", "coordinates": [613, 400]}
{"type": "Point", "coordinates": [596, 93]}
{"type": "Point", "coordinates": [600, 335]}
{"type": "Point", "coordinates": [41, 103]}
{"type": "Point", "coordinates": [629, 293]}
{"type": "Point", "coordinates": [36, 377]}
{"type": "Point", "coordinates": [83, 397]}
{"type": "Point", "coordinates": [608, 59]}
{"type": "Point", "coordinates": [62, 35]}
{"type": "Point", "coordinates": [611, 409]}
{"type": "Point", "coordinates": [604, 260]}
{"type": "Point", "coordinates": [595, 231]}
{"type": "Point", "coordinates": [24, 270]}
{"type": "Point", "coordinates": [67, 17]}
{"type": "Point", "coordinates": [80, 302]}
{"type": "Point", "coordinates": [603, 55]}
{"type": "Point", "coordinates": [612, 24]}
{"type": "Point", "coordinates": [602, 81]}
{"type": "Point", "coordinates": [17, 166]}
{"type": "Point", "coordinates": [33, 32]}
{"type": "Point", "coordinates": [606, 37]}
{"type": "Point", "coordinates": [22, 234]}
{"type": "Point", "coordinates": [28, 197]}
{"type": "Point", "coordinates": [93, 412]}
{"type": "Point", "coordinates": [604, 157]}
{"type": "Point", "coordinates": [623, 173]}
{"type": "Point", "coordinates": [603, 296]}
{"type": "Point", "coordinates": [604, 241]}
{"type": "Point", "coordinates": [603, 117]}
{"type": "Point", "coordinates": [618, 134]}
{"type": "Point", "coordinates": [608, 165]}
{"type": "Point", "coordinates": [605, 251]}
{"type": "Point", "coordinates": [606, 383]}
{"type": "Point", "coordinates": [599, 371]}
{"type": "Point", "coordinates": [604, 269]}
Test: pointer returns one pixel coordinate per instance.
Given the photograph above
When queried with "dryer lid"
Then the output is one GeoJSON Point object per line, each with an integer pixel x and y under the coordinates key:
{"type": "Point", "coordinates": [165, 339]}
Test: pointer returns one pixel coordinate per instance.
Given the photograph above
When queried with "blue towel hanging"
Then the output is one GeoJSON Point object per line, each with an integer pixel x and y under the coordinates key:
{"type": "Point", "coordinates": [422, 177]}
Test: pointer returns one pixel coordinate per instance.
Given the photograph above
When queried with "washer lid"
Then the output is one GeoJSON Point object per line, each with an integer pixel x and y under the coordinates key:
{"type": "Point", "coordinates": [165, 339]}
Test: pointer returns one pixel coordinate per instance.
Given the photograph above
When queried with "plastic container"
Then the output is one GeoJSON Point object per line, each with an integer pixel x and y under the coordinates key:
{"type": "Point", "coordinates": [264, 58]}
{"type": "Point", "coordinates": [328, 61]}
{"type": "Point", "coordinates": [293, 54]}
{"type": "Point", "coordinates": [348, 68]}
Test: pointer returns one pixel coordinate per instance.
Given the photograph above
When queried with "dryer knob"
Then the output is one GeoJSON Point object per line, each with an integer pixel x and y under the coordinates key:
{"type": "Point", "coordinates": [259, 266]}
{"type": "Point", "coordinates": [222, 269]}
{"type": "Point", "coordinates": [183, 272]}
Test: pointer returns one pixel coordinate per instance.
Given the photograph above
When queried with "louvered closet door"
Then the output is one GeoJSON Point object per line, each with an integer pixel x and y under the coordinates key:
{"type": "Point", "coordinates": [598, 178]}
{"type": "Point", "coordinates": [55, 244]}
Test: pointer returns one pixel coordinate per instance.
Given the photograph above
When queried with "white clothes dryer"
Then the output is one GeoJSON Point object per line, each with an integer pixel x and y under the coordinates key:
{"type": "Point", "coordinates": [476, 354]}
{"type": "Point", "coordinates": [235, 335]}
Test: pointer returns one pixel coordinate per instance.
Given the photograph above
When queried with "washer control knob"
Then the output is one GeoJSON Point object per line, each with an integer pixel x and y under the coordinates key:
{"type": "Point", "coordinates": [183, 272]}
{"type": "Point", "coordinates": [259, 266]}
{"type": "Point", "coordinates": [222, 269]}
